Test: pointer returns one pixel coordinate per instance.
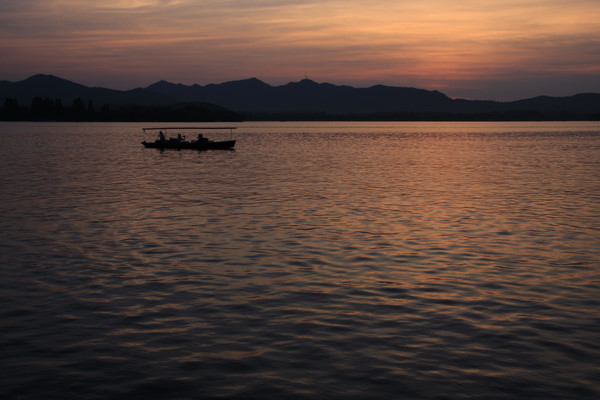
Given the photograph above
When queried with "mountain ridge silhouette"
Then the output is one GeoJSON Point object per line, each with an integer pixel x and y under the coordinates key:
{"type": "Point", "coordinates": [253, 95]}
{"type": "Point", "coordinates": [305, 96]}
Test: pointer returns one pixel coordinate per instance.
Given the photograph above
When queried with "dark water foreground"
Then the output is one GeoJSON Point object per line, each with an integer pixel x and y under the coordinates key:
{"type": "Point", "coordinates": [316, 261]}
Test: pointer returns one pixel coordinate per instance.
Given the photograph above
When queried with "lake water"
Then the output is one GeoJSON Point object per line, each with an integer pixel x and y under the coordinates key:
{"type": "Point", "coordinates": [316, 261]}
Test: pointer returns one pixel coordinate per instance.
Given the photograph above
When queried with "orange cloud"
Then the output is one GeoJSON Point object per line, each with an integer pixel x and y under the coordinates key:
{"type": "Point", "coordinates": [433, 44]}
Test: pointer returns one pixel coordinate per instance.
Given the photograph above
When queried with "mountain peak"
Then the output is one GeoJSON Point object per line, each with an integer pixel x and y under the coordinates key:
{"type": "Point", "coordinates": [37, 78]}
{"type": "Point", "coordinates": [162, 84]}
{"type": "Point", "coordinates": [43, 78]}
{"type": "Point", "coordinates": [305, 83]}
{"type": "Point", "coordinates": [51, 83]}
{"type": "Point", "coordinates": [247, 83]}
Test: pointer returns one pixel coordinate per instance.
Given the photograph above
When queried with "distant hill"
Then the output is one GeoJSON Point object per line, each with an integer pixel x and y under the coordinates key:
{"type": "Point", "coordinates": [47, 97]}
{"type": "Point", "coordinates": [305, 99]}
{"type": "Point", "coordinates": [255, 96]}
{"type": "Point", "coordinates": [49, 86]}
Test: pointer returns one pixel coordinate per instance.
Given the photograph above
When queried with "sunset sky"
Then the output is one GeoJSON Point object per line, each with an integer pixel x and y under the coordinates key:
{"type": "Point", "coordinates": [482, 49]}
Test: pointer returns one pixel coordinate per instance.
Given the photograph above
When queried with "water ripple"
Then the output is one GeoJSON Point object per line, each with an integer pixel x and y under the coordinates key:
{"type": "Point", "coordinates": [317, 260]}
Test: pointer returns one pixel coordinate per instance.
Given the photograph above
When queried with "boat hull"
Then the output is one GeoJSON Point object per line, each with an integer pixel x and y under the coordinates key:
{"type": "Point", "coordinates": [172, 144]}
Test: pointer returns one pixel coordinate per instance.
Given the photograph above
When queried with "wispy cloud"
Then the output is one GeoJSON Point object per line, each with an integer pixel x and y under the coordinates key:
{"type": "Point", "coordinates": [433, 43]}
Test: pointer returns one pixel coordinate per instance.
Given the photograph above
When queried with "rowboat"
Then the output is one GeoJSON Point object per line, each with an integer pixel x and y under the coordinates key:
{"type": "Point", "coordinates": [179, 142]}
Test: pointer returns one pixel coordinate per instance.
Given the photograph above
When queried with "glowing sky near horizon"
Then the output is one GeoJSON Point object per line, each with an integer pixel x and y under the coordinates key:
{"type": "Point", "coordinates": [485, 49]}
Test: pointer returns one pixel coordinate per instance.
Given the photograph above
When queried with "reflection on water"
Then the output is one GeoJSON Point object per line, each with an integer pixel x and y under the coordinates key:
{"type": "Point", "coordinates": [317, 260]}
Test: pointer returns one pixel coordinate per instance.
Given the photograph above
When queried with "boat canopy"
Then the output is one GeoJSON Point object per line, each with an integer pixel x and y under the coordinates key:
{"type": "Point", "coordinates": [189, 128]}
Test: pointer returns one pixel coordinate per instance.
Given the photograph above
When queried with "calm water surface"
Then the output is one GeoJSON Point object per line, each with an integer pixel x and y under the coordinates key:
{"type": "Point", "coordinates": [316, 261]}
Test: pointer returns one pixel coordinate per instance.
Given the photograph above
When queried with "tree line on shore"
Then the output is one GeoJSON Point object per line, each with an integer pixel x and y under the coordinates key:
{"type": "Point", "coordinates": [48, 109]}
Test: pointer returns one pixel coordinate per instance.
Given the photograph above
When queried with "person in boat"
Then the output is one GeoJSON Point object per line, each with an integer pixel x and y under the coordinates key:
{"type": "Point", "coordinates": [201, 138]}
{"type": "Point", "coordinates": [179, 138]}
{"type": "Point", "coordinates": [161, 136]}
